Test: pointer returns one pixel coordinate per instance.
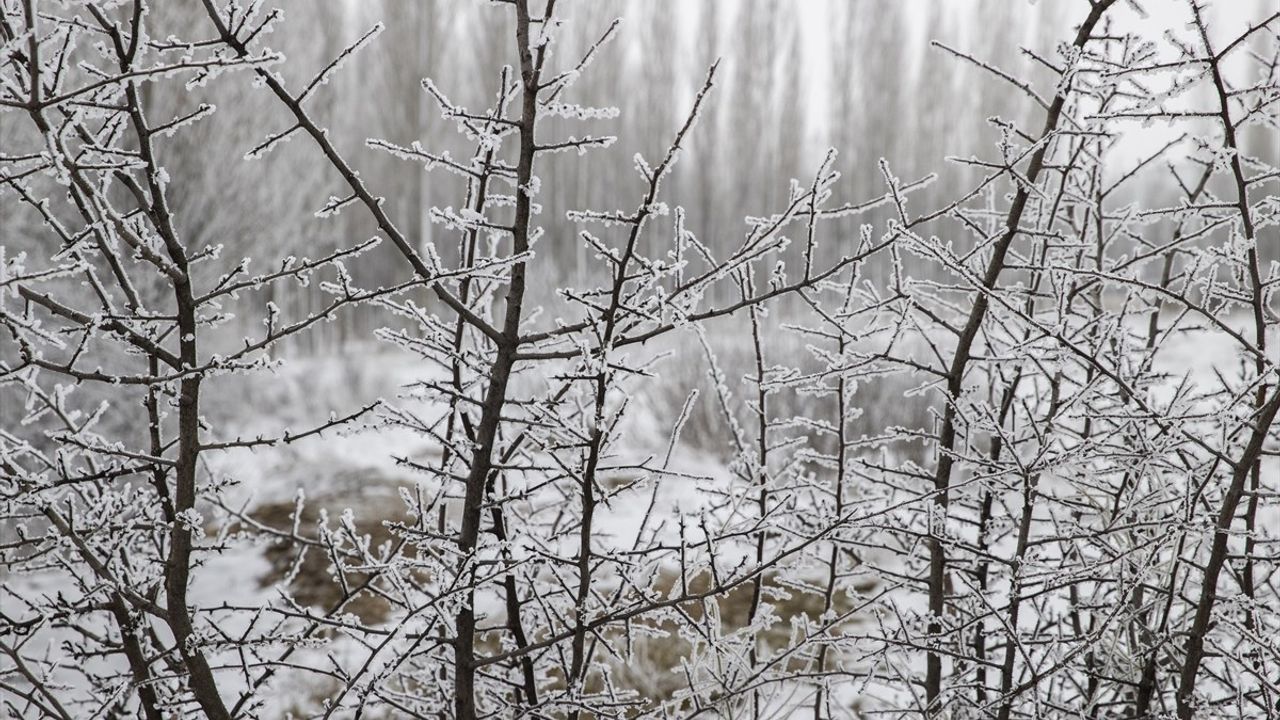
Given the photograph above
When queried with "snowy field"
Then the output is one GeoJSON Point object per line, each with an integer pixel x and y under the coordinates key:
{"type": "Point", "coordinates": [362, 471]}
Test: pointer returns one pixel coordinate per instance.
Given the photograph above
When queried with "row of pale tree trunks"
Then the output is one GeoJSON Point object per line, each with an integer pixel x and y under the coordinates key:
{"type": "Point", "coordinates": [759, 129]}
{"type": "Point", "coordinates": [763, 125]}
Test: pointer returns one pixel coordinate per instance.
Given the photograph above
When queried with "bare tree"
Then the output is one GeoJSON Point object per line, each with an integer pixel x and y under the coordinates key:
{"type": "Point", "coordinates": [967, 460]}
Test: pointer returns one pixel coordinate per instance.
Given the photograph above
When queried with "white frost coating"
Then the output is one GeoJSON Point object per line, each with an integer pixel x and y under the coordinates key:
{"type": "Point", "coordinates": [577, 112]}
{"type": "Point", "coordinates": [717, 472]}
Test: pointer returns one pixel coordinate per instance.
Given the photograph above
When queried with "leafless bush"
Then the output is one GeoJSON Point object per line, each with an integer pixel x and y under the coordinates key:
{"type": "Point", "coordinates": [984, 489]}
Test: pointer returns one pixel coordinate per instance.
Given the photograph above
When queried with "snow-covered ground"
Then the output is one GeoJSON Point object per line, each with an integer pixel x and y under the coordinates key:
{"type": "Point", "coordinates": [357, 468]}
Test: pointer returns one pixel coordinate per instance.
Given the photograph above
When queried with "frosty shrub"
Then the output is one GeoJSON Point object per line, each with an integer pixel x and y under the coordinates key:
{"type": "Point", "coordinates": [1011, 454]}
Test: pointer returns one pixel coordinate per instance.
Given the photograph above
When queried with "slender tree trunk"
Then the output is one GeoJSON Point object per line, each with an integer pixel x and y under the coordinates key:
{"type": "Point", "coordinates": [955, 378]}
{"type": "Point", "coordinates": [499, 375]}
{"type": "Point", "coordinates": [1248, 467]}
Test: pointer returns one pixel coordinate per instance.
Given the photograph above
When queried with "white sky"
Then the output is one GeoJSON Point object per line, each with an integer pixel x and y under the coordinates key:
{"type": "Point", "coordinates": [1228, 18]}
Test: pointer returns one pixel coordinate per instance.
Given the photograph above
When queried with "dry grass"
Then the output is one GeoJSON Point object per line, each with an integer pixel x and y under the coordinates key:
{"type": "Point", "coordinates": [654, 658]}
{"type": "Point", "coordinates": [879, 403]}
{"type": "Point", "coordinates": [373, 502]}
